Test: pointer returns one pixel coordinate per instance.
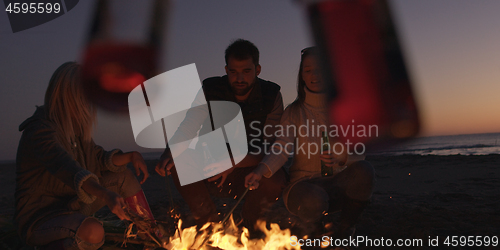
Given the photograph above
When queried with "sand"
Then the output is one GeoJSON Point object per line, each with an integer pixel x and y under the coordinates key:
{"type": "Point", "coordinates": [416, 197]}
{"type": "Point", "coordinates": [429, 196]}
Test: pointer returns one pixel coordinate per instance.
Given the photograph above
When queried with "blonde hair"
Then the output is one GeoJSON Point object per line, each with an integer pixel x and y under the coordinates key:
{"type": "Point", "coordinates": [67, 106]}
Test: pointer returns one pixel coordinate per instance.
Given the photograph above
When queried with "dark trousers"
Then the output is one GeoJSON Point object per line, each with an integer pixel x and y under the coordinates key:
{"type": "Point", "coordinates": [64, 224]}
{"type": "Point", "coordinates": [198, 195]}
{"type": "Point", "coordinates": [310, 199]}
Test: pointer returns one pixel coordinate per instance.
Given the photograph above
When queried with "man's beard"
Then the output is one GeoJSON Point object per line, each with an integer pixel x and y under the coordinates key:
{"type": "Point", "coordinates": [241, 91]}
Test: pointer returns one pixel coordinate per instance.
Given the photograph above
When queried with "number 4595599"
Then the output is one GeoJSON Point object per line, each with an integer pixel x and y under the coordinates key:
{"type": "Point", "coordinates": [471, 241]}
{"type": "Point", "coordinates": [33, 8]}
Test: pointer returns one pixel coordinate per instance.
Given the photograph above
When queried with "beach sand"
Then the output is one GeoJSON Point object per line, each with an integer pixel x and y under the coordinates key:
{"type": "Point", "coordinates": [430, 196]}
{"type": "Point", "coordinates": [416, 197]}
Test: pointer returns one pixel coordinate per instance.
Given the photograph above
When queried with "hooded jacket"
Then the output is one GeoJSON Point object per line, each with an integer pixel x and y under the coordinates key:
{"type": "Point", "coordinates": [49, 176]}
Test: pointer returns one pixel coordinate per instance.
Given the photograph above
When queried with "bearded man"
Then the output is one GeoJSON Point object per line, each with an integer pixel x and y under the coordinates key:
{"type": "Point", "coordinates": [261, 104]}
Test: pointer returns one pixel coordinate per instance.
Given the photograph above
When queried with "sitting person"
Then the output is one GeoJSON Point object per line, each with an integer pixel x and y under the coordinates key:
{"type": "Point", "coordinates": [63, 177]}
{"type": "Point", "coordinates": [261, 105]}
{"type": "Point", "coordinates": [309, 194]}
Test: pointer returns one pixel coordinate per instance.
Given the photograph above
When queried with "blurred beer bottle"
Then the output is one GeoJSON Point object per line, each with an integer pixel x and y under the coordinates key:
{"type": "Point", "coordinates": [123, 49]}
{"type": "Point", "coordinates": [361, 59]}
{"type": "Point", "coordinates": [207, 156]}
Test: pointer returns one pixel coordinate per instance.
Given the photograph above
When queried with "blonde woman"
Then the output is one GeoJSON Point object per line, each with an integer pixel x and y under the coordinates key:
{"type": "Point", "coordinates": [310, 195]}
{"type": "Point", "coordinates": [63, 177]}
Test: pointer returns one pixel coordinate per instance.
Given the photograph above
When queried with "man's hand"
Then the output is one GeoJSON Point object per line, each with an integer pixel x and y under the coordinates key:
{"type": "Point", "coordinates": [165, 164]}
{"type": "Point", "coordinates": [140, 166]}
{"type": "Point", "coordinates": [116, 204]}
{"type": "Point", "coordinates": [222, 175]}
{"type": "Point", "coordinates": [252, 180]}
{"type": "Point", "coordinates": [217, 167]}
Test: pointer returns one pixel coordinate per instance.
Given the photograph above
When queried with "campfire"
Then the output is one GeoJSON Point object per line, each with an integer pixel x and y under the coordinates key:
{"type": "Point", "coordinates": [211, 236]}
{"type": "Point", "coordinates": [215, 235]}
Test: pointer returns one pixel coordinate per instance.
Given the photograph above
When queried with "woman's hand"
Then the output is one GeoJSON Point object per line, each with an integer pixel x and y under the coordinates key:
{"type": "Point", "coordinates": [135, 157]}
{"type": "Point", "coordinates": [139, 165]}
{"type": "Point", "coordinates": [328, 158]}
{"type": "Point", "coordinates": [252, 180]}
{"type": "Point", "coordinates": [332, 160]}
{"type": "Point", "coordinates": [116, 204]}
{"type": "Point", "coordinates": [114, 201]}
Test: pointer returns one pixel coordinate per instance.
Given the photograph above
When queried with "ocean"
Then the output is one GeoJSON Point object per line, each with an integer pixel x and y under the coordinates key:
{"type": "Point", "coordinates": [469, 144]}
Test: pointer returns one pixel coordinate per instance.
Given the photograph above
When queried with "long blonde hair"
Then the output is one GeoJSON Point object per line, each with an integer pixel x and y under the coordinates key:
{"type": "Point", "coordinates": [67, 106]}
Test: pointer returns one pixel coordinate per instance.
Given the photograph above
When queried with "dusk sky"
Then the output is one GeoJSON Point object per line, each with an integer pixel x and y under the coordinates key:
{"type": "Point", "coordinates": [451, 49]}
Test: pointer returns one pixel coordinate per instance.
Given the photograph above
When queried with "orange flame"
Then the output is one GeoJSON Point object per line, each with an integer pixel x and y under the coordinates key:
{"type": "Point", "coordinates": [229, 237]}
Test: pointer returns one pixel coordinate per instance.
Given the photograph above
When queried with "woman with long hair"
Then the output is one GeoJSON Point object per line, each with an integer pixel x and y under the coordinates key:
{"type": "Point", "coordinates": [309, 194]}
{"type": "Point", "coordinates": [63, 177]}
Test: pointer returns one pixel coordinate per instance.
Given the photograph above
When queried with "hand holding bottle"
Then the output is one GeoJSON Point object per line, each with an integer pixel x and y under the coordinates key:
{"type": "Point", "coordinates": [331, 161]}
